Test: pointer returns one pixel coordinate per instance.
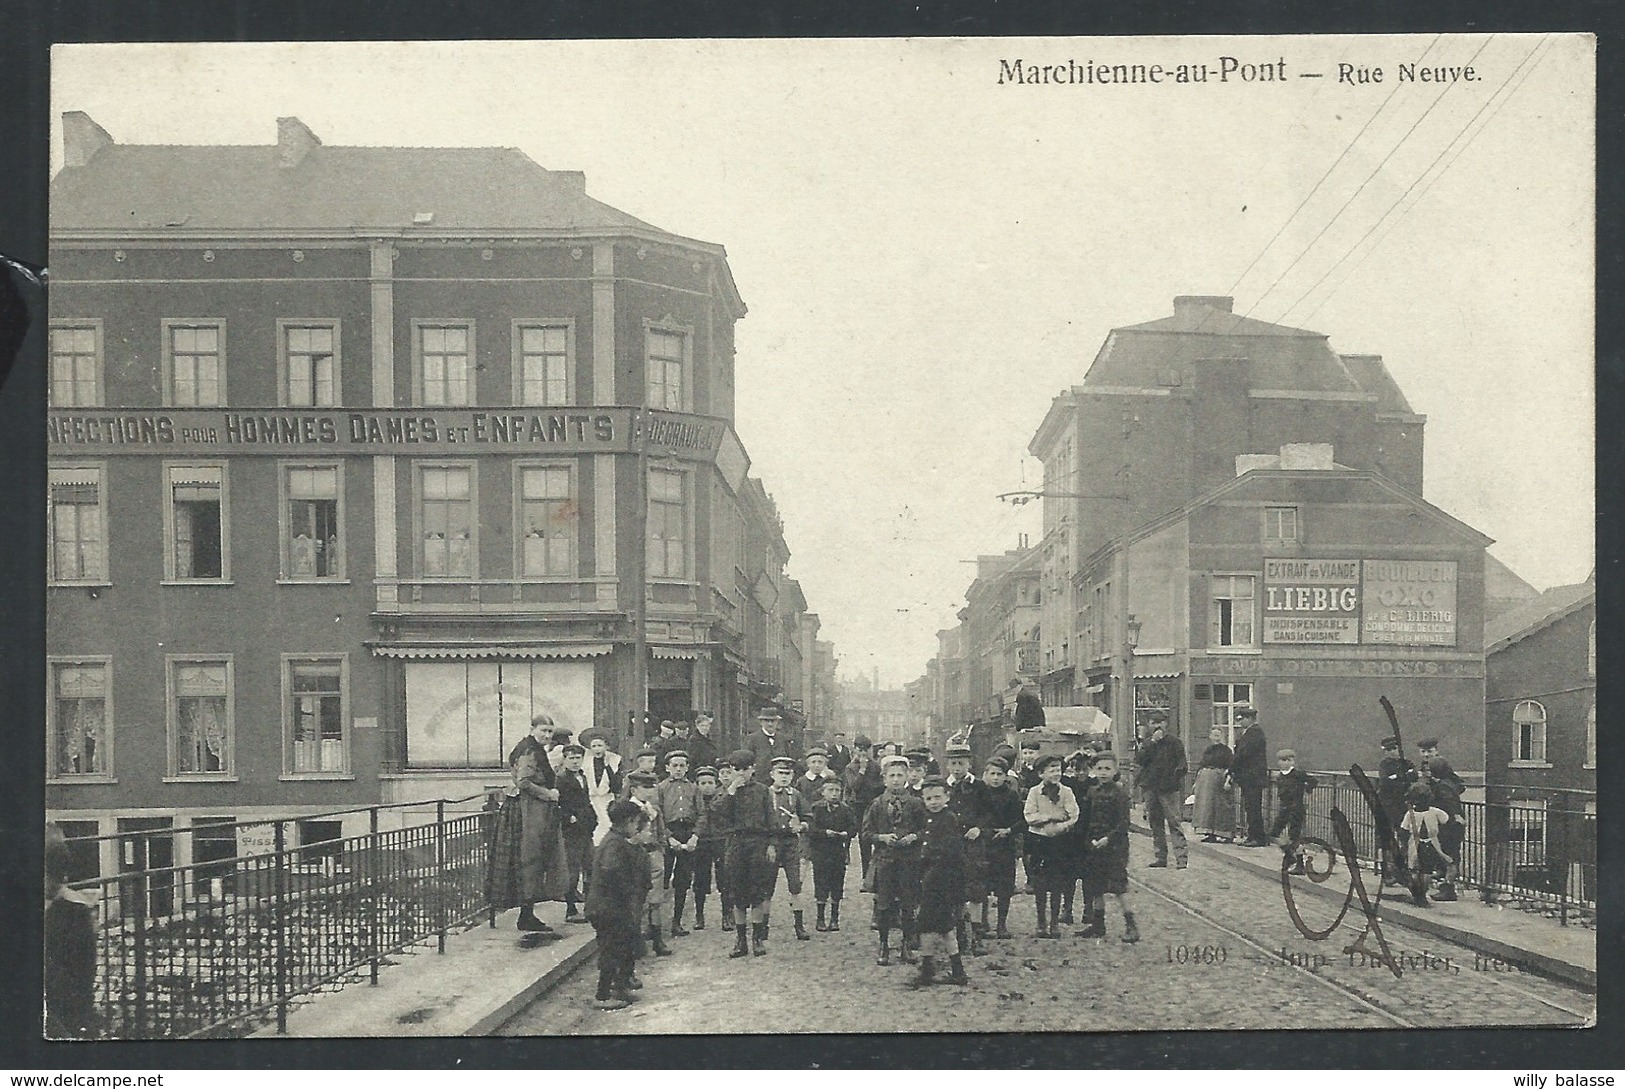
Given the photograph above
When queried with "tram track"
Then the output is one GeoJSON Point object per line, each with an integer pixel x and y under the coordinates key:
{"type": "Point", "coordinates": [1390, 927]}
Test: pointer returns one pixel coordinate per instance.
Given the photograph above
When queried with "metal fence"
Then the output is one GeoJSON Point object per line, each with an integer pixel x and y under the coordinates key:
{"type": "Point", "coordinates": [217, 947]}
{"type": "Point", "coordinates": [1538, 851]}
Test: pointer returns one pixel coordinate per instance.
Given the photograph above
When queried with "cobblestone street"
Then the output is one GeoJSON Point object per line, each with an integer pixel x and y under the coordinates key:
{"type": "Point", "coordinates": [1186, 973]}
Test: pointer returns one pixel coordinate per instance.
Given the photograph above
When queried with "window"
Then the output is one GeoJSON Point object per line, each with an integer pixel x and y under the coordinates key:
{"type": "Point", "coordinates": [311, 526]}
{"type": "Point", "coordinates": [1591, 736]}
{"type": "Point", "coordinates": [1280, 524]}
{"type": "Point", "coordinates": [310, 364]}
{"type": "Point", "coordinates": [471, 713]}
{"type": "Point", "coordinates": [446, 521]}
{"type": "Point", "coordinates": [667, 551]}
{"type": "Point", "coordinates": [1526, 832]}
{"type": "Point", "coordinates": [548, 520]}
{"type": "Point", "coordinates": [313, 696]}
{"type": "Point", "coordinates": [76, 365]}
{"type": "Point", "coordinates": [668, 369]}
{"type": "Point", "coordinates": [196, 517]}
{"type": "Point", "coordinates": [79, 719]}
{"type": "Point", "coordinates": [542, 365]}
{"type": "Point", "coordinates": [76, 526]}
{"type": "Point", "coordinates": [84, 852]}
{"type": "Point", "coordinates": [321, 842]}
{"type": "Point", "coordinates": [1529, 725]}
{"type": "Point", "coordinates": [1227, 700]}
{"type": "Point", "coordinates": [1591, 650]}
{"type": "Point", "coordinates": [195, 363]}
{"type": "Point", "coordinates": [445, 376]}
{"type": "Point", "coordinates": [200, 728]}
{"type": "Point", "coordinates": [1230, 611]}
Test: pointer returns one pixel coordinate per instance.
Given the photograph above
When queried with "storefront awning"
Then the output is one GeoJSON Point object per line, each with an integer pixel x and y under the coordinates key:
{"type": "Point", "coordinates": [1157, 676]}
{"type": "Point", "coordinates": [523, 651]}
{"type": "Point", "coordinates": [680, 654]}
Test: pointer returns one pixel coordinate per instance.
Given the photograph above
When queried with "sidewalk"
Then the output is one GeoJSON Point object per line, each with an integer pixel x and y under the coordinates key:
{"type": "Point", "coordinates": [1530, 941]}
{"type": "Point", "coordinates": [484, 977]}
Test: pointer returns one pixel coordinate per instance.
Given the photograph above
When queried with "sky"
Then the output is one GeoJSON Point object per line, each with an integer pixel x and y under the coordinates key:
{"type": "Point", "coordinates": [930, 256]}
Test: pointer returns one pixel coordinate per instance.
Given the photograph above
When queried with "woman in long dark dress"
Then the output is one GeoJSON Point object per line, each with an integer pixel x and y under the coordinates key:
{"type": "Point", "coordinates": [527, 849]}
{"type": "Point", "coordinates": [1215, 815]}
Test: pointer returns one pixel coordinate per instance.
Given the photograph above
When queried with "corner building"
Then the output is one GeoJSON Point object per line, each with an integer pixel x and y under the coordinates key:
{"type": "Point", "coordinates": [358, 458]}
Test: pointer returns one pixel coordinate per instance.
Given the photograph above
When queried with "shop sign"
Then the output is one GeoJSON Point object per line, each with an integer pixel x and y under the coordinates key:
{"type": "Point", "coordinates": [380, 431]}
{"type": "Point", "coordinates": [1311, 601]}
{"type": "Point", "coordinates": [1223, 666]}
{"type": "Point", "coordinates": [1409, 602]}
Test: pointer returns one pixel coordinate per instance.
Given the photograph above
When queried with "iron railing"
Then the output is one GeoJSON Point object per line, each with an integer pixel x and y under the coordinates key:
{"type": "Point", "coordinates": [221, 946]}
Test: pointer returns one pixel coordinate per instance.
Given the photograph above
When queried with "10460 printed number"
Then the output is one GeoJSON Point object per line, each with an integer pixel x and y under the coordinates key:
{"type": "Point", "coordinates": [1197, 954]}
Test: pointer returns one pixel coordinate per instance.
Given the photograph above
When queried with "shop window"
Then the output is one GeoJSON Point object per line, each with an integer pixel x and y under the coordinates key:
{"type": "Point", "coordinates": [668, 522]}
{"type": "Point", "coordinates": [77, 526]}
{"type": "Point", "coordinates": [1529, 737]}
{"type": "Point", "coordinates": [668, 369]}
{"type": "Point", "coordinates": [1230, 611]}
{"type": "Point", "coordinates": [445, 369]}
{"type": "Point", "coordinates": [311, 522]}
{"type": "Point", "coordinates": [79, 719]}
{"type": "Point", "coordinates": [76, 365]}
{"type": "Point", "coordinates": [321, 842]}
{"type": "Point", "coordinates": [1227, 700]}
{"type": "Point", "coordinates": [445, 516]}
{"type": "Point", "coordinates": [1280, 525]}
{"type": "Point", "coordinates": [549, 520]}
{"type": "Point", "coordinates": [200, 718]}
{"type": "Point", "coordinates": [84, 850]}
{"type": "Point", "coordinates": [317, 741]}
{"type": "Point", "coordinates": [1526, 832]}
{"type": "Point", "coordinates": [310, 365]}
{"type": "Point", "coordinates": [543, 365]}
{"type": "Point", "coordinates": [194, 364]}
{"type": "Point", "coordinates": [196, 517]}
{"type": "Point", "coordinates": [471, 714]}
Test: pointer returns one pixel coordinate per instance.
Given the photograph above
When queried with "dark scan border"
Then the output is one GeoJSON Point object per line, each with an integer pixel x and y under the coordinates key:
{"type": "Point", "coordinates": [33, 25]}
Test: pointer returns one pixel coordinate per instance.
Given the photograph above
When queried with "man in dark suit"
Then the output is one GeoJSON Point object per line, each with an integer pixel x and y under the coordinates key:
{"type": "Point", "coordinates": [1250, 771]}
{"type": "Point", "coordinates": [769, 742]}
{"type": "Point", "coordinates": [840, 754]}
{"type": "Point", "coordinates": [578, 821]}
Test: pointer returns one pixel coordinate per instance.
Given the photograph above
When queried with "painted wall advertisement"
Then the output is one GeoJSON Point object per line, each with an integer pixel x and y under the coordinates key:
{"type": "Point", "coordinates": [1311, 601]}
{"type": "Point", "coordinates": [1409, 602]}
{"type": "Point", "coordinates": [1393, 602]}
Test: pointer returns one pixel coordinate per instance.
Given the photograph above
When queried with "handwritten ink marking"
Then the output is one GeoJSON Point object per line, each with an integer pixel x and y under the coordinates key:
{"type": "Point", "coordinates": [1368, 907]}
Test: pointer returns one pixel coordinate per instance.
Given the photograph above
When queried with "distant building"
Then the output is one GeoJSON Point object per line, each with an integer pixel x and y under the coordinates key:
{"type": "Point", "coordinates": [1503, 589]}
{"type": "Point", "coordinates": [879, 714]}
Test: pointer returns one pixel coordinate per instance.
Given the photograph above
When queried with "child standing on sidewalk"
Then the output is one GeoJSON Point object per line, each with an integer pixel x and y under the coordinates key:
{"type": "Point", "coordinates": [829, 843]}
{"type": "Point", "coordinates": [620, 878]}
{"type": "Point", "coordinates": [1105, 866]}
{"type": "Point", "coordinates": [1051, 810]}
{"type": "Point", "coordinates": [1292, 787]}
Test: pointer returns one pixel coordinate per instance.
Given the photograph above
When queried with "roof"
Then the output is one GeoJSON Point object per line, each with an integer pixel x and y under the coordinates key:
{"type": "Point", "coordinates": [332, 188]}
{"type": "Point", "coordinates": [1203, 333]}
{"type": "Point", "coordinates": [1531, 616]}
{"type": "Point", "coordinates": [1500, 581]}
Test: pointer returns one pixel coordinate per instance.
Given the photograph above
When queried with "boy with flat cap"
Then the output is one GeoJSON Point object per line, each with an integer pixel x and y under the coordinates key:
{"type": "Point", "coordinates": [711, 841]}
{"type": "Point", "coordinates": [790, 813]}
{"type": "Point", "coordinates": [1395, 774]}
{"type": "Point", "coordinates": [893, 824]}
{"type": "Point", "coordinates": [942, 885]}
{"type": "Point", "coordinates": [678, 800]}
{"type": "Point", "coordinates": [746, 814]}
{"type": "Point", "coordinates": [578, 821]}
{"type": "Point", "coordinates": [620, 877]}
{"type": "Point", "coordinates": [1292, 787]}
{"type": "Point", "coordinates": [829, 843]}
{"type": "Point", "coordinates": [1002, 829]}
{"type": "Point", "coordinates": [652, 838]}
{"type": "Point", "coordinates": [811, 782]}
{"type": "Point", "coordinates": [967, 799]}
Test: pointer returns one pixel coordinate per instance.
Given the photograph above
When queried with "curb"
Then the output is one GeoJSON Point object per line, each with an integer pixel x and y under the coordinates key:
{"type": "Point", "coordinates": [510, 1008]}
{"type": "Point", "coordinates": [1538, 963]}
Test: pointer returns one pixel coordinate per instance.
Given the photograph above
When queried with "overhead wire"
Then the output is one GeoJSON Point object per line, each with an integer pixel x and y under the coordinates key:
{"type": "Point", "coordinates": [1431, 181]}
{"type": "Point", "coordinates": [1368, 179]}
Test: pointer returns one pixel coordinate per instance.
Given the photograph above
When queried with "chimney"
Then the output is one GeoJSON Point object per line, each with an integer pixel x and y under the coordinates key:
{"type": "Point", "coordinates": [1306, 455]}
{"type": "Point", "coordinates": [293, 141]}
{"type": "Point", "coordinates": [1196, 306]}
{"type": "Point", "coordinates": [1246, 463]}
{"type": "Point", "coordinates": [81, 138]}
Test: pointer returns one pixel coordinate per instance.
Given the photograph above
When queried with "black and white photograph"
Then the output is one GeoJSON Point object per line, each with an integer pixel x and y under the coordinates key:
{"type": "Point", "coordinates": [868, 536]}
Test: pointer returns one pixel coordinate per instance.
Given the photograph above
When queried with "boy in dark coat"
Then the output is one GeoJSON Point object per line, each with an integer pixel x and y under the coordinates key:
{"type": "Point", "coordinates": [1105, 865]}
{"type": "Point", "coordinates": [746, 814]}
{"type": "Point", "coordinates": [620, 878]}
{"type": "Point", "coordinates": [1002, 829]}
{"type": "Point", "coordinates": [942, 885]}
{"type": "Point", "coordinates": [1292, 787]}
{"type": "Point", "coordinates": [967, 799]}
{"type": "Point", "coordinates": [578, 821]}
{"type": "Point", "coordinates": [829, 842]}
{"type": "Point", "coordinates": [790, 813]}
{"type": "Point", "coordinates": [893, 824]}
{"type": "Point", "coordinates": [708, 854]}
{"type": "Point", "coordinates": [863, 785]}
{"type": "Point", "coordinates": [1395, 774]}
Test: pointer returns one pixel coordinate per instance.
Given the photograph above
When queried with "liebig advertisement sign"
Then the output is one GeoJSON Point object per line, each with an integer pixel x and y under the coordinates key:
{"type": "Point", "coordinates": [1311, 601]}
{"type": "Point", "coordinates": [281, 432]}
{"type": "Point", "coordinates": [1409, 602]}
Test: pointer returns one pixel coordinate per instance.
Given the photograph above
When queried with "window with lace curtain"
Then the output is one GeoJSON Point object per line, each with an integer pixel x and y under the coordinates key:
{"type": "Point", "coordinates": [312, 518]}
{"type": "Point", "coordinates": [79, 719]}
{"type": "Point", "coordinates": [77, 526]}
{"type": "Point", "coordinates": [445, 518]}
{"type": "Point", "coordinates": [200, 726]}
{"type": "Point", "coordinates": [548, 520]}
{"type": "Point", "coordinates": [314, 698]}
